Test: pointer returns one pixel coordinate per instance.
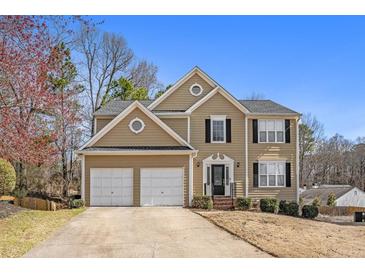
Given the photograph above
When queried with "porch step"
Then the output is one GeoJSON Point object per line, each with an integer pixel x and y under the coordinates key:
{"type": "Point", "coordinates": [223, 203]}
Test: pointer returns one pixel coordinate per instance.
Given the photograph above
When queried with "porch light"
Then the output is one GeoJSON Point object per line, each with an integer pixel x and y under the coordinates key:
{"type": "Point", "coordinates": [238, 164]}
{"type": "Point", "coordinates": [197, 164]}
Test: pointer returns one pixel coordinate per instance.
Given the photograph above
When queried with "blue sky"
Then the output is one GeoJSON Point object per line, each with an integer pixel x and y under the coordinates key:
{"type": "Point", "coordinates": [310, 64]}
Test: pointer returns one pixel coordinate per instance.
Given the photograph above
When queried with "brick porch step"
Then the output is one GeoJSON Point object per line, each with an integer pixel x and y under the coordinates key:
{"type": "Point", "coordinates": [223, 203]}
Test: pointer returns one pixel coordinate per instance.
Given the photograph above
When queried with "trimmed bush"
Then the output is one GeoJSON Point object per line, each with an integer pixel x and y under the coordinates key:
{"type": "Point", "coordinates": [270, 205]}
{"type": "Point", "coordinates": [203, 202]}
{"type": "Point", "coordinates": [243, 203]}
{"type": "Point", "coordinates": [7, 177]}
{"type": "Point", "coordinates": [331, 200]}
{"type": "Point", "coordinates": [289, 208]}
{"type": "Point", "coordinates": [316, 202]}
{"type": "Point", "coordinates": [77, 203]}
{"type": "Point", "coordinates": [310, 211]}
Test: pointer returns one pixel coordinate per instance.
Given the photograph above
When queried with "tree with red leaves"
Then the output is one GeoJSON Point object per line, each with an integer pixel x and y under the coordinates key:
{"type": "Point", "coordinates": [27, 97]}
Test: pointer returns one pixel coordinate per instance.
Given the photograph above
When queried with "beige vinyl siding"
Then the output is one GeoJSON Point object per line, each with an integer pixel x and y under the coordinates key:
{"type": "Point", "coordinates": [152, 134]}
{"type": "Point", "coordinates": [137, 162]}
{"type": "Point", "coordinates": [285, 152]}
{"type": "Point", "coordinates": [218, 105]}
{"type": "Point", "coordinates": [179, 125]}
{"type": "Point", "coordinates": [182, 99]}
{"type": "Point", "coordinates": [102, 122]}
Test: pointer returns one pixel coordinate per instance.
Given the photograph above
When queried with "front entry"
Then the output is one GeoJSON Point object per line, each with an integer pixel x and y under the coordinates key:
{"type": "Point", "coordinates": [218, 179]}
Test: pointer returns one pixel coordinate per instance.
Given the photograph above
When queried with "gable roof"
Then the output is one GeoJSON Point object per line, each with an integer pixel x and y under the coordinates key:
{"type": "Point", "coordinates": [323, 191]}
{"type": "Point", "coordinates": [123, 114]}
{"type": "Point", "coordinates": [224, 93]}
{"type": "Point", "coordinates": [196, 70]}
{"type": "Point", "coordinates": [116, 106]}
{"type": "Point", "coordinates": [266, 106]}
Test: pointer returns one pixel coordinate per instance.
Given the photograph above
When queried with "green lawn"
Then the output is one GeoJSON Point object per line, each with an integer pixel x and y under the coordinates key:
{"type": "Point", "coordinates": [20, 232]}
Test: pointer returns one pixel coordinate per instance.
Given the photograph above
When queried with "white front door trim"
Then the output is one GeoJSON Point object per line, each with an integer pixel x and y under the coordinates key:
{"type": "Point", "coordinates": [227, 162]}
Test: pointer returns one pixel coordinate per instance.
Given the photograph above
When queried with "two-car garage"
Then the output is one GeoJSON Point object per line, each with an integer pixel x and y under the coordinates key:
{"type": "Point", "coordinates": [163, 186]}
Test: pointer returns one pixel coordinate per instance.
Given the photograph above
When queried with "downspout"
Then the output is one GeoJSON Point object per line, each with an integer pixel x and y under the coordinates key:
{"type": "Point", "coordinates": [246, 156]}
{"type": "Point", "coordinates": [191, 175]}
{"type": "Point", "coordinates": [297, 157]}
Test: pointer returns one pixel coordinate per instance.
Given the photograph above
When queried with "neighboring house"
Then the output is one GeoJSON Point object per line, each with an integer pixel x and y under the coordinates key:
{"type": "Point", "coordinates": [196, 139]}
{"type": "Point", "coordinates": [346, 195]}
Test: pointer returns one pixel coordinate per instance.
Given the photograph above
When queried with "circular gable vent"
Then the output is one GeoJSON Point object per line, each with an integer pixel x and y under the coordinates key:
{"type": "Point", "coordinates": [136, 125]}
{"type": "Point", "coordinates": [196, 89]}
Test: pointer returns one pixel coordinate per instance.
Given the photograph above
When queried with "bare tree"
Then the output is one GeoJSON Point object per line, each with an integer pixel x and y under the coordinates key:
{"type": "Point", "coordinates": [144, 75]}
{"type": "Point", "coordinates": [310, 134]}
{"type": "Point", "coordinates": [105, 57]}
{"type": "Point", "coordinates": [256, 96]}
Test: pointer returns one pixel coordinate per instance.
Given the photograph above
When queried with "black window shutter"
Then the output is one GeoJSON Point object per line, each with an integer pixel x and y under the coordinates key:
{"type": "Point", "coordinates": [207, 130]}
{"type": "Point", "coordinates": [255, 175]}
{"type": "Point", "coordinates": [287, 131]}
{"type": "Point", "coordinates": [254, 131]}
{"type": "Point", "coordinates": [228, 131]}
{"type": "Point", "coordinates": [288, 175]}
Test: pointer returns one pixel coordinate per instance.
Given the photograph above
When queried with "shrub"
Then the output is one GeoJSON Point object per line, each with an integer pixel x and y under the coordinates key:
{"type": "Point", "coordinates": [310, 211]}
{"type": "Point", "coordinates": [76, 203]}
{"type": "Point", "coordinates": [7, 177]}
{"type": "Point", "coordinates": [331, 200]}
{"type": "Point", "coordinates": [289, 208]}
{"type": "Point", "coordinates": [243, 203]}
{"type": "Point", "coordinates": [316, 202]}
{"type": "Point", "coordinates": [203, 202]}
{"type": "Point", "coordinates": [269, 205]}
{"type": "Point", "coordinates": [20, 192]}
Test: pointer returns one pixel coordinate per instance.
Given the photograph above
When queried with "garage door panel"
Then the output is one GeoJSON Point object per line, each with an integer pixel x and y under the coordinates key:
{"type": "Point", "coordinates": [161, 186]}
{"type": "Point", "coordinates": [111, 186]}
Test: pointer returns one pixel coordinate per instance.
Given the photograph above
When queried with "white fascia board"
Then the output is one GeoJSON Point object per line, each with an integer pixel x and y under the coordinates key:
{"type": "Point", "coordinates": [172, 114]}
{"type": "Point", "coordinates": [197, 70]}
{"type": "Point", "coordinates": [294, 115]}
{"type": "Point", "coordinates": [139, 152]}
{"type": "Point", "coordinates": [124, 113]}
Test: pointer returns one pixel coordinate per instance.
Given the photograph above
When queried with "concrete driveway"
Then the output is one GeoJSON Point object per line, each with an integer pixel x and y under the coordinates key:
{"type": "Point", "coordinates": [142, 232]}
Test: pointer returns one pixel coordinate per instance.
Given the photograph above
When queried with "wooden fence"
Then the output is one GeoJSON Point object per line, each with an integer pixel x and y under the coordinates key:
{"type": "Point", "coordinates": [340, 210]}
{"type": "Point", "coordinates": [36, 203]}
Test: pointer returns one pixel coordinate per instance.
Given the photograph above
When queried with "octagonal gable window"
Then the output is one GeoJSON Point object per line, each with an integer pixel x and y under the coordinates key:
{"type": "Point", "coordinates": [196, 89]}
{"type": "Point", "coordinates": [136, 125]}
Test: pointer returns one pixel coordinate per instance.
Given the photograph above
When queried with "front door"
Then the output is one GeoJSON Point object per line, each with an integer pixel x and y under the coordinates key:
{"type": "Point", "coordinates": [218, 179]}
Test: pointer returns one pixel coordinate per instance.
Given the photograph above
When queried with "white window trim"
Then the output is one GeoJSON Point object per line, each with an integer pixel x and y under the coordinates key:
{"type": "Point", "coordinates": [267, 134]}
{"type": "Point", "coordinates": [218, 118]}
{"type": "Point", "coordinates": [191, 89]}
{"type": "Point", "coordinates": [276, 175]}
{"type": "Point", "coordinates": [131, 127]}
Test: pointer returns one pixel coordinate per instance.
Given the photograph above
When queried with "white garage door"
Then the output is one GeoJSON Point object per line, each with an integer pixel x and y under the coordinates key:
{"type": "Point", "coordinates": [162, 186]}
{"type": "Point", "coordinates": [111, 186]}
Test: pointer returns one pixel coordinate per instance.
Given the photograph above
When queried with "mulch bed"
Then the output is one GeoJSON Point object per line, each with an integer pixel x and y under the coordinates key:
{"type": "Point", "coordinates": [7, 209]}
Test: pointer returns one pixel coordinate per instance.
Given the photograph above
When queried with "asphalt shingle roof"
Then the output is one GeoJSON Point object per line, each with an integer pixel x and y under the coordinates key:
{"type": "Point", "coordinates": [115, 107]}
{"type": "Point", "coordinates": [323, 191]}
{"type": "Point", "coordinates": [266, 106]}
{"type": "Point", "coordinates": [133, 148]}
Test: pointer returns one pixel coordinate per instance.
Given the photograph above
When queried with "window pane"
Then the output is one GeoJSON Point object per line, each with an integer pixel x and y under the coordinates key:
{"type": "Point", "coordinates": [281, 168]}
{"type": "Point", "coordinates": [270, 125]}
{"type": "Point", "coordinates": [280, 180]}
{"type": "Point", "coordinates": [271, 169]}
{"type": "Point", "coordinates": [272, 180]}
{"type": "Point", "coordinates": [263, 136]}
{"type": "Point", "coordinates": [218, 130]}
{"type": "Point", "coordinates": [280, 136]}
{"type": "Point", "coordinates": [271, 135]}
{"type": "Point", "coordinates": [263, 169]}
{"type": "Point", "coordinates": [262, 125]}
{"type": "Point", "coordinates": [279, 125]}
{"type": "Point", "coordinates": [263, 180]}
{"type": "Point", "coordinates": [208, 175]}
{"type": "Point", "coordinates": [227, 175]}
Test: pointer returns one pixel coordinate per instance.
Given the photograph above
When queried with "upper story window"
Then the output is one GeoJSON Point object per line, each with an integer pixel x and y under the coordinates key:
{"type": "Point", "coordinates": [272, 174]}
{"type": "Point", "coordinates": [271, 131]}
{"type": "Point", "coordinates": [136, 125]}
{"type": "Point", "coordinates": [196, 89]}
{"type": "Point", "coordinates": [218, 128]}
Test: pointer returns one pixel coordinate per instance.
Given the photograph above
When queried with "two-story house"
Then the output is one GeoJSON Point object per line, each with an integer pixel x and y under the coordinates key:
{"type": "Point", "coordinates": [195, 139]}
